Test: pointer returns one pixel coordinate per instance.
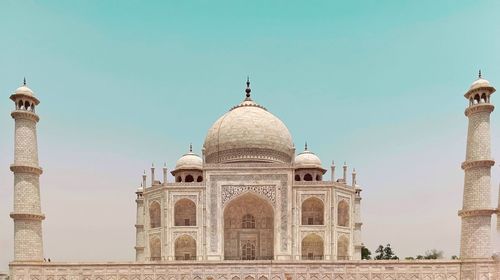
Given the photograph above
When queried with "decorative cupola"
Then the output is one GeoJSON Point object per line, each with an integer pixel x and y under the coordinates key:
{"type": "Point", "coordinates": [479, 92]}
{"type": "Point", "coordinates": [189, 168]}
{"type": "Point", "coordinates": [24, 98]}
{"type": "Point", "coordinates": [308, 166]}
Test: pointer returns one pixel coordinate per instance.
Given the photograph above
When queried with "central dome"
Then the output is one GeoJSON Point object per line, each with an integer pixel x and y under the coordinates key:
{"type": "Point", "coordinates": [248, 133]}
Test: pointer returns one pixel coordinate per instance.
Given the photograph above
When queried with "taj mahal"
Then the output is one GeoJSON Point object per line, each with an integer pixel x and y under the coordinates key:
{"type": "Point", "coordinates": [250, 205]}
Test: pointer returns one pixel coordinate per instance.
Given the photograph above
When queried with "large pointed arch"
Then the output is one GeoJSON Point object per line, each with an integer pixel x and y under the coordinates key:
{"type": "Point", "coordinates": [248, 228]}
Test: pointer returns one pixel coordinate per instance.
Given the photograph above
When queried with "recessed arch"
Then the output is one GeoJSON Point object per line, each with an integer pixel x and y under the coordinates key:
{"type": "Point", "coordinates": [308, 177]}
{"type": "Point", "coordinates": [297, 177]}
{"type": "Point", "coordinates": [185, 213]}
{"type": "Point", "coordinates": [185, 248]}
{"type": "Point", "coordinates": [312, 247]}
{"type": "Point", "coordinates": [313, 211]}
{"type": "Point", "coordinates": [155, 214]}
{"type": "Point", "coordinates": [178, 179]}
{"type": "Point", "coordinates": [255, 241]}
{"type": "Point", "coordinates": [155, 249]}
{"type": "Point", "coordinates": [343, 213]}
{"type": "Point", "coordinates": [189, 178]}
{"type": "Point", "coordinates": [199, 179]}
{"type": "Point", "coordinates": [343, 248]}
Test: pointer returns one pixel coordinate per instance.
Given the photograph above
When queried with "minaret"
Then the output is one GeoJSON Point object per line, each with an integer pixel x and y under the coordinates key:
{"type": "Point", "coordinates": [139, 225]}
{"type": "Point", "coordinates": [358, 245]}
{"type": "Point", "coordinates": [476, 211]}
{"type": "Point", "coordinates": [498, 214]}
{"type": "Point", "coordinates": [27, 214]}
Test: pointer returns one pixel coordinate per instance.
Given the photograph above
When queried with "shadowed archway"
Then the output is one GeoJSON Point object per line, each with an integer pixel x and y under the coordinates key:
{"type": "Point", "coordinates": [248, 229]}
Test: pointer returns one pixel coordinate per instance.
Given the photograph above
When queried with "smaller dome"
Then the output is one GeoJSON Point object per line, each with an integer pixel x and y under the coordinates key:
{"type": "Point", "coordinates": [24, 90]}
{"type": "Point", "coordinates": [480, 83]}
{"type": "Point", "coordinates": [189, 161]}
{"type": "Point", "coordinates": [307, 159]}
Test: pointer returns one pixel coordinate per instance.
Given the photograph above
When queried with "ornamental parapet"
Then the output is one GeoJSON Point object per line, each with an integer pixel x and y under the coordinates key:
{"type": "Point", "coordinates": [23, 114]}
{"type": "Point", "coordinates": [24, 168]}
{"type": "Point", "coordinates": [485, 107]}
{"type": "Point", "coordinates": [139, 226]}
{"type": "Point", "coordinates": [477, 212]}
{"type": "Point", "coordinates": [139, 248]}
{"type": "Point", "coordinates": [358, 225]}
{"type": "Point", "coordinates": [27, 216]}
{"type": "Point", "coordinates": [477, 163]}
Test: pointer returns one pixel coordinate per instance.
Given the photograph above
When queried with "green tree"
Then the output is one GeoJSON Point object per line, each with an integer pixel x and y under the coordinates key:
{"type": "Point", "coordinates": [385, 253]}
{"type": "Point", "coordinates": [433, 254]}
{"type": "Point", "coordinates": [366, 254]}
{"type": "Point", "coordinates": [380, 253]}
{"type": "Point", "coordinates": [454, 257]}
{"type": "Point", "coordinates": [389, 254]}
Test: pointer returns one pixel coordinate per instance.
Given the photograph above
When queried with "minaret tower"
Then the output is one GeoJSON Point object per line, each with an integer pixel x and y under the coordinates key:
{"type": "Point", "coordinates": [476, 211]}
{"type": "Point", "coordinates": [27, 214]}
{"type": "Point", "coordinates": [139, 226]}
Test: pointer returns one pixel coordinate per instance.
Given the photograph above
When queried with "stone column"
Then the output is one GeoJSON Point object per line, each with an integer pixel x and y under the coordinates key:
{"type": "Point", "coordinates": [27, 214]}
{"type": "Point", "coordinates": [476, 212]}
{"type": "Point", "coordinates": [139, 227]}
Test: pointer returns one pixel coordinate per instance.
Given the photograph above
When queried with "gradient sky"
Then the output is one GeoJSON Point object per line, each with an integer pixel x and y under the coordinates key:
{"type": "Point", "coordinates": [122, 84]}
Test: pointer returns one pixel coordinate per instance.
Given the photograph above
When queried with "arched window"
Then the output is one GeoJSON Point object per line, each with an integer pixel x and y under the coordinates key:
{"type": "Point", "coordinates": [312, 247]}
{"type": "Point", "coordinates": [185, 213]}
{"type": "Point", "coordinates": [26, 105]}
{"type": "Point", "coordinates": [343, 248]}
{"type": "Point", "coordinates": [189, 179]}
{"type": "Point", "coordinates": [483, 98]}
{"type": "Point", "coordinates": [248, 250]}
{"type": "Point", "coordinates": [155, 214]}
{"type": "Point", "coordinates": [318, 177]}
{"type": "Point", "coordinates": [178, 179]}
{"type": "Point", "coordinates": [297, 177]}
{"type": "Point", "coordinates": [312, 211]}
{"type": "Point", "coordinates": [199, 179]}
{"type": "Point", "coordinates": [308, 177]}
{"type": "Point", "coordinates": [20, 104]}
{"type": "Point", "coordinates": [343, 214]}
{"type": "Point", "coordinates": [185, 248]}
{"type": "Point", "coordinates": [476, 99]}
{"type": "Point", "coordinates": [248, 221]}
{"type": "Point", "coordinates": [155, 249]}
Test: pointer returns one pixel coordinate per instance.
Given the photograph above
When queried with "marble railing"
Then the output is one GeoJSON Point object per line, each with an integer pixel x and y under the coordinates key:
{"type": "Point", "coordinates": [259, 270]}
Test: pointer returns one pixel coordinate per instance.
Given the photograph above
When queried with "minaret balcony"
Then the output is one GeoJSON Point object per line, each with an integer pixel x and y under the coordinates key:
{"type": "Point", "coordinates": [477, 212]}
{"type": "Point", "coordinates": [27, 216]}
{"type": "Point", "coordinates": [477, 163]}
{"type": "Point", "coordinates": [24, 168]}
{"type": "Point", "coordinates": [23, 114]}
{"type": "Point", "coordinates": [477, 108]}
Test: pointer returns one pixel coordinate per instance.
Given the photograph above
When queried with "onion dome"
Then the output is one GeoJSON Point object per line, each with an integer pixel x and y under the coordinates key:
{"type": "Point", "coordinates": [307, 159]}
{"type": "Point", "coordinates": [480, 83]}
{"type": "Point", "coordinates": [189, 161]}
{"type": "Point", "coordinates": [248, 133]}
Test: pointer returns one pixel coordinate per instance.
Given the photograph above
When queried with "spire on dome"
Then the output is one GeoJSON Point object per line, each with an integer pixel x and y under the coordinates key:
{"type": "Point", "coordinates": [479, 75]}
{"type": "Point", "coordinates": [190, 147]}
{"type": "Point", "coordinates": [24, 81]}
{"type": "Point", "coordinates": [305, 146]}
{"type": "Point", "coordinates": [248, 90]}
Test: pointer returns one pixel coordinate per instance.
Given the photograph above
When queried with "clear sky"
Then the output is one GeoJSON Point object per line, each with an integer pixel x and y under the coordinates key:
{"type": "Point", "coordinates": [123, 84]}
